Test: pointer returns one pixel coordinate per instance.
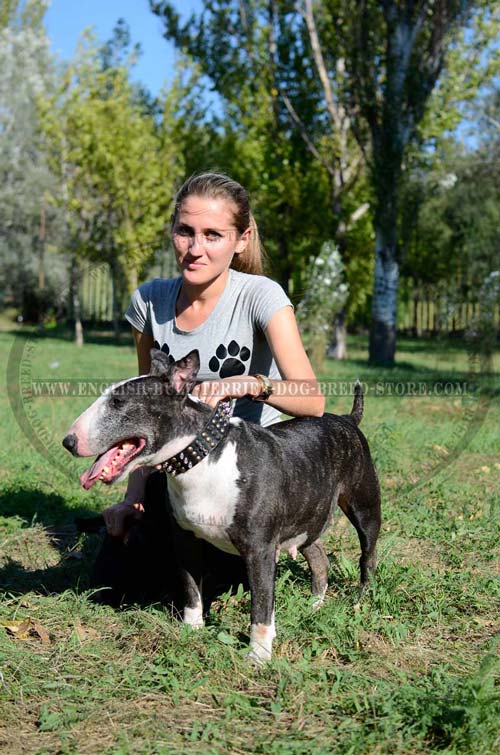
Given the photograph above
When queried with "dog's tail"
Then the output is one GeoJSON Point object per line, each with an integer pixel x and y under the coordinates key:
{"type": "Point", "coordinates": [358, 403]}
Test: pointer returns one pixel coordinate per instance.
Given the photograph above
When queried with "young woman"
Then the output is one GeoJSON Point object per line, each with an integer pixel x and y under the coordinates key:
{"type": "Point", "coordinates": [241, 322]}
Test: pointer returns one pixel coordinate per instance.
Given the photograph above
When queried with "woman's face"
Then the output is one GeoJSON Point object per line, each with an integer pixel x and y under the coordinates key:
{"type": "Point", "coordinates": [205, 238]}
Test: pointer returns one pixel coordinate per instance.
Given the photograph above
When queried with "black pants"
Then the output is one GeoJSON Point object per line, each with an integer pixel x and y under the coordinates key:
{"type": "Point", "coordinates": [144, 569]}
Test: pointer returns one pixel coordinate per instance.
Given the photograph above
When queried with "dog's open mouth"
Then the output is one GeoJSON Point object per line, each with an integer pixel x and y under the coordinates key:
{"type": "Point", "coordinates": [109, 465]}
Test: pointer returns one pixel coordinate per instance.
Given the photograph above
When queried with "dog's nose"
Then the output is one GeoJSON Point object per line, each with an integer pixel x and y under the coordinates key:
{"type": "Point", "coordinates": [70, 442]}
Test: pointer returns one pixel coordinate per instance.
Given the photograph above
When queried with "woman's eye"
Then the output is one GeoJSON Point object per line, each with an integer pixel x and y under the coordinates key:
{"type": "Point", "coordinates": [187, 233]}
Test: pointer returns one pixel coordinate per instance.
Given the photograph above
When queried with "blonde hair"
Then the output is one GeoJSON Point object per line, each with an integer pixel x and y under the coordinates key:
{"type": "Point", "coordinates": [219, 186]}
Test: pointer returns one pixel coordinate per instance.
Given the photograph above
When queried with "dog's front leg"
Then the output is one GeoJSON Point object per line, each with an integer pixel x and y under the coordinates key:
{"type": "Point", "coordinates": [261, 568]}
{"type": "Point", "coordinates": [188, 550]}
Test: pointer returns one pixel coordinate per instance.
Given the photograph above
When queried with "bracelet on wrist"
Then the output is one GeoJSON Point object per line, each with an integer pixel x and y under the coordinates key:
{"type": "Point", "coordinates": [266, 388]}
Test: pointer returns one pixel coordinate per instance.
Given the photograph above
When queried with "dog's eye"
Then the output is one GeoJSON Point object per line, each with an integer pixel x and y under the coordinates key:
{"type": "Point", "coordinates": [117, 401]}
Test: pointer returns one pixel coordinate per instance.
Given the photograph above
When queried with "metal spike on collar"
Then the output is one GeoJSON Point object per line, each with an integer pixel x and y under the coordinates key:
{"type": "Point", "coordinates": [209, 438]}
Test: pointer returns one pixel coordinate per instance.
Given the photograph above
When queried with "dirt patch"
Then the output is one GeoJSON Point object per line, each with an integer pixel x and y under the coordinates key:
{"type": "Point", "coordinates": [412, 551]}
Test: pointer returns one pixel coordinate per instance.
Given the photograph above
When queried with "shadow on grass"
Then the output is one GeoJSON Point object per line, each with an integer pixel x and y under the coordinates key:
{"type": "Point", "coordinates": [23, 508]}
{"type": "Point", "coordinates": [401, 369]}
{"type": "Point", "coordinates": [92, 334]}
{"type": "Point", "coordinates": [34, 506]}
{"type": "Point", "coordinates": [70, 573]}
{"type": "Point", "coordinates": [141, 571]}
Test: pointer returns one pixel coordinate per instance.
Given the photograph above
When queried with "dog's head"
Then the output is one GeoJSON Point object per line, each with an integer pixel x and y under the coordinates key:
{"type": "Point", "coordinates": [134, 421]}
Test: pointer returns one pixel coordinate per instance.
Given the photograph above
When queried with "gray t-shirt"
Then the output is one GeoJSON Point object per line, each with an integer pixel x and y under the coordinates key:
{"type": "Point", "coordinates": [232, 339]}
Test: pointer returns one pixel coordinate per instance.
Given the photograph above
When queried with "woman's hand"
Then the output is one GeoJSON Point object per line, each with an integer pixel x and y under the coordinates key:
{"type": "Point", "coordinates": [115, 517]}
{"type": "Point", "coordinates": [212, 391]}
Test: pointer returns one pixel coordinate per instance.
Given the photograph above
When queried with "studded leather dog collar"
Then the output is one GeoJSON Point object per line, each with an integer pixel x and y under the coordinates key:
{"type": "Point", "coordinates": [209, 438]}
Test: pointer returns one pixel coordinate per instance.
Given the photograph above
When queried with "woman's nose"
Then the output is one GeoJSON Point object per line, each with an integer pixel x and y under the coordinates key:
{"type": "Point", "coordinates": [196, 243]}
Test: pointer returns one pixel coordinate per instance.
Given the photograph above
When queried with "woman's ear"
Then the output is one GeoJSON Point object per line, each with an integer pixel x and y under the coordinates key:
{"type": "Point", "coordinates": [243, 241]}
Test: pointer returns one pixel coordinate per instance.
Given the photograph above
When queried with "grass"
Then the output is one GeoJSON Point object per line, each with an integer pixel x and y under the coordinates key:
{"type": "Point", "coordinates": [414, 669]}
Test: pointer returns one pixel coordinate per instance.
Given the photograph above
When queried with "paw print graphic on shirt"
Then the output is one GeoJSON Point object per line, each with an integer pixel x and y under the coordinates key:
{"type": "Point", "coordinates": [229, 361]}
{"type": "Point", "coordinates": [166, 350]}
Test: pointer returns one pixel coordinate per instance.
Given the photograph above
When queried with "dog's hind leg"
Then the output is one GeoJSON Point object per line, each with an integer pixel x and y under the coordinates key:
{"type": "Point", "coordinates": [364, 514]}
{"type": "Point", "coordinates": [318, 563]}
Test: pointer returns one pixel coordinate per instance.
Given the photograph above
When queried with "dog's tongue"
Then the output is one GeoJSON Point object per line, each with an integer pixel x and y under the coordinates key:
{"type": "Point", "coordinates": [90, 476]}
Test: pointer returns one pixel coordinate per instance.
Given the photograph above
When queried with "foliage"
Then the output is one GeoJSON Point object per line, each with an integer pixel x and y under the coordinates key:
{"type": "Point", "coordinates": [311, 78]}
{"type": "Point", "coordinates": [450, 218]}
{"type": "Point", "coordinates": [472, 63]}
{"type": "Point", "coordinates": [117, 171]}
{"type": "Point", "coordinates": [483, 333]}
{"type": "Point", "coordinates": [25, 14]}
{"type": "Point", "coordinates": [291, 115]}
{"type": "Point", "coordinates": [395, 53]}
{"type": "Point", "coordinates": [26, 76]}
{"type": "Point", "coordinates": [325, 296]}
{"type": "Point", "coordinates": [256, 57]}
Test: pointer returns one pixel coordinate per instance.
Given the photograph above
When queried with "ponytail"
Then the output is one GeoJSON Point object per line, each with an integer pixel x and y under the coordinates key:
{"type": "Point", "coordinates": [251, 260]}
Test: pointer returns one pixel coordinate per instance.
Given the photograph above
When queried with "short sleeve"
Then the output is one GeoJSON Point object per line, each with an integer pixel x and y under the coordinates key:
{"type": "Point", "coordinates": [268, 298]}
{"type": "Point", "coordinates": [138, 310]}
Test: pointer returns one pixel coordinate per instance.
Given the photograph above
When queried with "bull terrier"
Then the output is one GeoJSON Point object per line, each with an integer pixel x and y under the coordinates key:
{"type": "Point", "coordinates": [249, 490]}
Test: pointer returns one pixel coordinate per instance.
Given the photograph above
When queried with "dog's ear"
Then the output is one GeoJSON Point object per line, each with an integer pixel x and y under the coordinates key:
{"type": "Point", "coordinates": [184, 372]}
{"type": "Point", "coordinates": [181, 375]}
{"type": "Point", "coordinates": [160, 364]}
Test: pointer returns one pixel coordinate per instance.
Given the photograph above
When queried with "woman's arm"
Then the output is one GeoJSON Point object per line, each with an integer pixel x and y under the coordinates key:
{"type": "Point", "coordinates": [143, 344]}
{"type": "Point", "coordinates": [297, 394]}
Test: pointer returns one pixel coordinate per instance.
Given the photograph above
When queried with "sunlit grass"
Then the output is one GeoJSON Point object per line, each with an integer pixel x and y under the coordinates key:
{"type": "Point", "coordinates": [412, 670]}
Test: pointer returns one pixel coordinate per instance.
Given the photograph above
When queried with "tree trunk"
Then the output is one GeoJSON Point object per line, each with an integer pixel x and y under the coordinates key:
{"type": "Point", "coordinates": [386, 172]}
{"type": "Point", "coordinates": [115, 288]}
{"type": "Point", "coordinates": [337, 348]}
{"type": "Point", "coordinates": [382, 347]}
{"type": "Point", "coordinates": [77, 316]}
{"type": "Point", "coordinates": [416, 299]}
{"type": "Point", "coordinates": [133, 279]}
{"type": "Point", "coordinates": [74, 300]}
{"type": "Point", "coordinates": [41, 251]}
{"type": "Point", "coordinates": [338, 345]}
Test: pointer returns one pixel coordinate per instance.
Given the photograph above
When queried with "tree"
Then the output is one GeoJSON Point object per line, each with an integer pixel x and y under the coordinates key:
{"type": "Point", "coordinates": [273, 132]}
{"type": "Point", "coordinates": [23, 14]}
{"type": "Point", "coordinates": [116, 170]}
{"type": "Point", "coordinates": [397, 51]}
{"type": "Point", "coordinates": [450, 217]}
{"type": "Point", "coordinates": [326, 294]}
{"type": "Point", "coordinates": [27, 222]}
{"type": "Point", "coordinates": [382, 71]}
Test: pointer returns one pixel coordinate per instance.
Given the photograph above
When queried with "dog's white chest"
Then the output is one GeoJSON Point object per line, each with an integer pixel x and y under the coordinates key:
{"type": "Point", "coordinates": [204, 499]}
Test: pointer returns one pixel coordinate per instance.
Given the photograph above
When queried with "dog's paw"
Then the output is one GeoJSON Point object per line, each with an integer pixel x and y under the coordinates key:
{"type": "Point", "coordinates": [259, 655]}
{"type": "Point", "coordinates": [193, 617]}
{"type": "Point", "coordinates": [229, 361]}
{"type": "Point", "coordinates": [319, 600]}
{"type": "Point", "coordinates": [261, 642]}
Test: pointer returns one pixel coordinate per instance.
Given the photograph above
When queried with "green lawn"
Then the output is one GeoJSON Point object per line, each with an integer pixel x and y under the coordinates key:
{"type": "Point", "coordinates": [415, 669]}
